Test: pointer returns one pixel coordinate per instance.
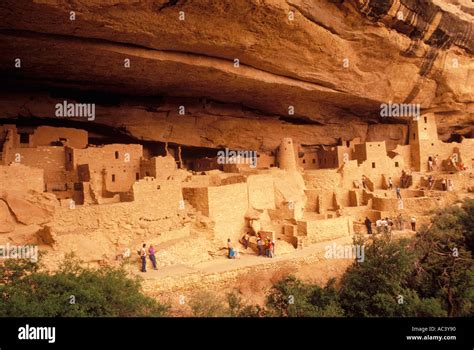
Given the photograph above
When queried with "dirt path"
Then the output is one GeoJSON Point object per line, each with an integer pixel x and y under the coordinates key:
{"type": "Point", "coordinates": [247, 259]}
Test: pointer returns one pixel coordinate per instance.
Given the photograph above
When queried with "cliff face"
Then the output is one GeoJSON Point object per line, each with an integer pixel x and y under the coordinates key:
{"type": "Point", "coordinates": [326, 65]}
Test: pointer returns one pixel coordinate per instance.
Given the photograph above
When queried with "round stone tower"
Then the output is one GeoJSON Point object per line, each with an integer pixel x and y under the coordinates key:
{"type": "Point", "coordinates": [286, 154]}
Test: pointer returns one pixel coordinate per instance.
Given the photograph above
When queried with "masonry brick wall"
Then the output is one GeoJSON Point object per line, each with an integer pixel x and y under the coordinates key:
{"type": "Point", "coordinates": [261, 191]}
{"type": "Point", "coordinates": [18, 177]}
{"type": "Point", "coordinates": [228, 205]}
{"type": "Point", "coordinates": [321, 230]}
{"type": "Point", "coordinates": [51, 159]}
{"type": "Point", "coordinates": [164, 196]}
{"type": "Point", "coordinates": [45, 135]}
{"type": "Point", "coordinates": [198, 198]}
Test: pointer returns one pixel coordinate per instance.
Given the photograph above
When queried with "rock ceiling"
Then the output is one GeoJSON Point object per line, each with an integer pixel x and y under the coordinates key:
{"type": "Point", "coordinates": [330, 62]}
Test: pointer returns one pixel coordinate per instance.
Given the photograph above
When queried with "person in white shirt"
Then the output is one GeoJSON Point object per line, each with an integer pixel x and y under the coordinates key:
{"type": "Point", "coordinates": [378, 224]}
{"type": "Point", "coordinates": [143, 257]}
{"type": "Point", "coordinates": [413, 223]}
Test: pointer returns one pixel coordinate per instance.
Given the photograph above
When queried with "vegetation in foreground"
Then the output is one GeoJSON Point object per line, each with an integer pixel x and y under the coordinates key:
{"type": "Point", "coordinates": [431, 274]}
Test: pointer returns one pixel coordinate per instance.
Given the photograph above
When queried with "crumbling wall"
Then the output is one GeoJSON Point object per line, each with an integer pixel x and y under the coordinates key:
{"type": "Point", "coordinates": [165, 196]}
{"type": "Point", "coordinates": [46, 135]}
{"type": "Point", "coordinates": [49, 158]}
{"type": "Point", "coordinates": [158, 167]}
{"type": "Point", "coordinates": [198, 198]}
{"type": "Point", "coordinates": [326, 229]}
{"type": "Point", "coordinates": [228, 205]}
{"type": "Point", "coordinates": [19, 177]}
{"type": "Point", "coordinates": [261, 191]}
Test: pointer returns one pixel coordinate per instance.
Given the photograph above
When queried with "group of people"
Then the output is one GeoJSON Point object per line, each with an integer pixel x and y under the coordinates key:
{"type": "Point", "coordinates": [150, 252]}
{"type": "Point", "coordinates": [386, 225]}
{"type": "Point", "coordinates": [265, 247]}
{"type": "Point", "coordinates": [447, 184]}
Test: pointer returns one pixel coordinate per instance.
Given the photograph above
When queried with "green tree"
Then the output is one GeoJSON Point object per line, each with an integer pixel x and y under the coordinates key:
{"type": "Point", "coordinates": [291, 297]}
{"type": "Point", "coordinates": [72, 291]}
{"type": "Point", "coordinates": [445, 268]}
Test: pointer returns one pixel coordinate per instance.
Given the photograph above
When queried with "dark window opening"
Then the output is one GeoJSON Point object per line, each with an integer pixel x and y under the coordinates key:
{"type": "Point", "coordinates": [314, 161]}
{"type": "Point", "coordinates": [147, 173]}
{"type": "Point", "coordinates": [137, 176]}
{"type": "Point", "coordinates": [116, 155]}
{"type": "Point", "coordinates": [24, 137]}
{"type": "Point", "coordinates": [113, 177]}
{"type": "Point", "coordinates": [396, 164]}
{"type": "Point", "coordinates": [373, 165]}
{"type": "Point", "coordinates": [426, 120]}
{"type": "Point", "coordinates": [304, 161]}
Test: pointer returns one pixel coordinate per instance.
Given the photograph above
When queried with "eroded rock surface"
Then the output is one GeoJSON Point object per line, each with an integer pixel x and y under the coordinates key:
{"type": "Point", "coordinates": [333, 62]}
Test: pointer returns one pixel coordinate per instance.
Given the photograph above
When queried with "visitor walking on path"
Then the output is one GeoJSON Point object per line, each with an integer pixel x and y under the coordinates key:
{"type": "Point", "coordinates": [151, 254]}
{"type": "Point", "coordinates": [399, 193]}
{"type": "Point", "coordinates": [230, 248]}
{"type": "Point", "coordinates": [246, 240]}
{"type": "Point", "coordinates": [413, 223]}
{"type": "Point", "coordinates": [400, 221]}
{"type": "Point", "coordinates": [363, 182]}
{"type": "Point", "coordinates": [259, 245]}
{"type": "Point", "coordinates": [143, 257]}
{"type": "Point", "coordinates": [368, 224]}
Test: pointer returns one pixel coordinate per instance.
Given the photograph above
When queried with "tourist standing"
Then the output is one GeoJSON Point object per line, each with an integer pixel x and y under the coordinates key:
{"type": "Point", "coordinates": [430, 163]}
{"type": "Point", "coordinates": [273, 244]}
{"type": "Point", "coordinates": [151, 254]}
{"type": "Point", "coordinates": [413, 223]}
{"type": "Point", "coordinates": [259, 245]}
{"type": "Point", "coordinates": [378, 225]}
{"type": "Point", "coordinates": [143, 257]}
{"type": "Point", "coordinates": [400, 221]}
{"type": "Point", "coordinates": [390, 224]}
{"type": "Point", "coordinates": [435, 162]}
{"type": "Point", "coordinates": [430, 182]}
{"type": "Point", "coordinates": [443, 183]}
{"type": "Point", "coordinates": [246, 240]}
{"type": "Point", "coordinates": [230, 249]}
{"type": "Point", "coordinates": [399, 193]}
{"type": "Point", "coordinates": [364, 185]}
{"type": "Point", "coordinates": [384, 225]}
{"type": "Point", "coordinates": [270, 249]}
{"type": "Point", "coordinates": [390, 183]}
{"type": "Point", "coordinates": [450, 185]}
{"type": "Point", "coordinates": [368, 224]}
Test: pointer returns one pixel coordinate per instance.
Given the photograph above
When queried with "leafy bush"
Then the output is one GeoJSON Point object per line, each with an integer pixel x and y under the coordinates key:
{"type": "Point", "coordinates": [72, 291]}
{"type": "Point", "coordinates": [292, 298]}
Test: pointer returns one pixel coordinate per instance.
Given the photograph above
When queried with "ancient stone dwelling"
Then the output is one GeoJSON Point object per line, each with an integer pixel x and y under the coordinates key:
{"type": "Point", "coordinates": [57, 190]}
